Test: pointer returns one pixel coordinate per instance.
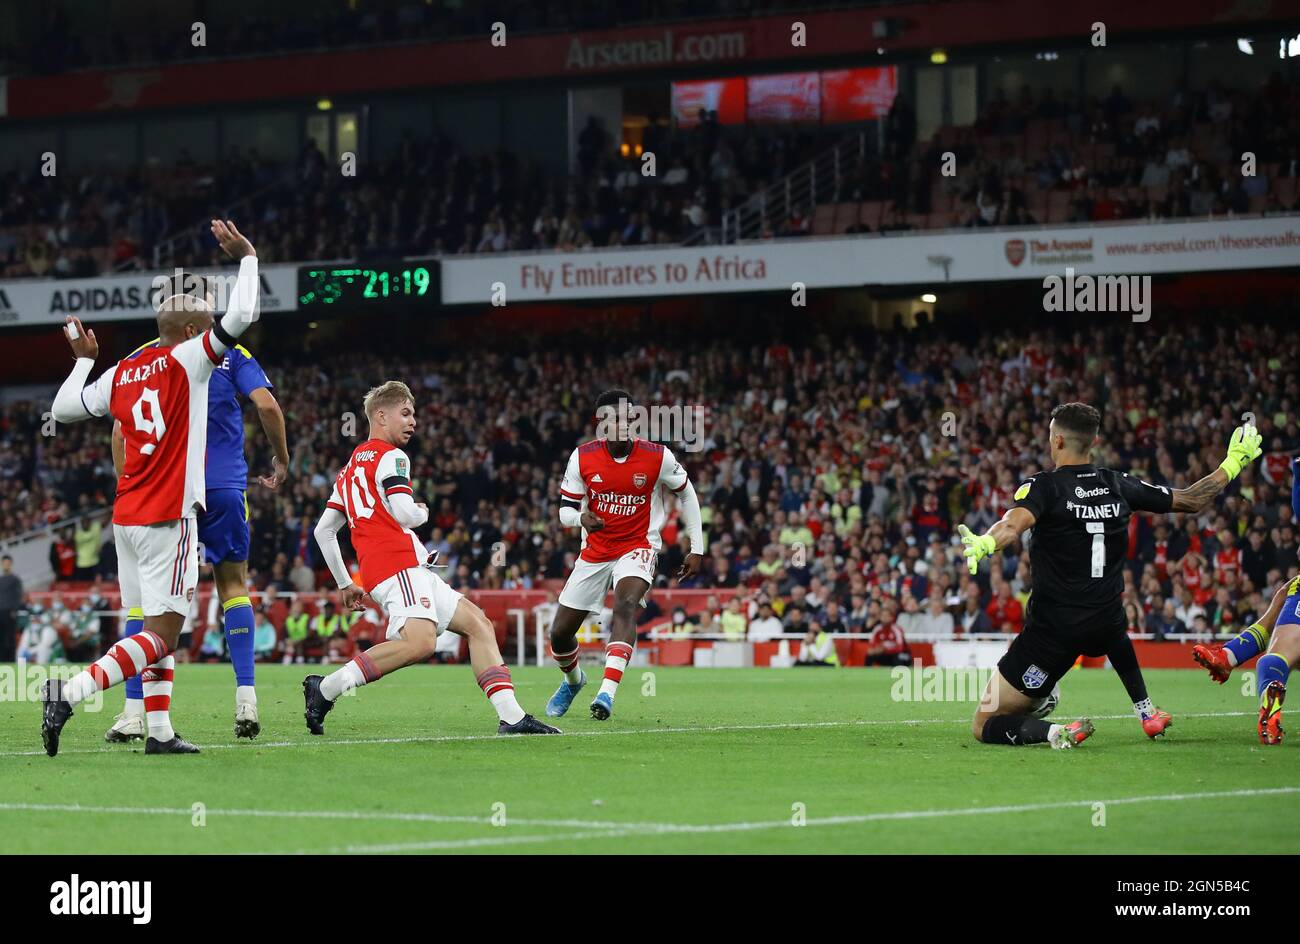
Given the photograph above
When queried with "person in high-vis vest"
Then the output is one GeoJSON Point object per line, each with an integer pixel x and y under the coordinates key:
{"type": "Point", "coordinates": [326, 623]}
{"type": "Point", "coordinates": [87, 539]}
{"type": "Point", "coordinates": [818, 648]}
{"type": "Point", "coordinates": [296, 629]}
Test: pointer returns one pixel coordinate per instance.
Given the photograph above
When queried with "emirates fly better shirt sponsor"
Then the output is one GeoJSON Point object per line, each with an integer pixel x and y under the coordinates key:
{"type": "Point", "coordinates": [624, 492]}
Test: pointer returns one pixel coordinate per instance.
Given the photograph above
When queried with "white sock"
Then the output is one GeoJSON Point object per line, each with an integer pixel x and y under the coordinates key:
{"type": "Point", "coordinates": [245, 695]}
{"type": "Point", "coordinates": [1054, 732]}
{"type": "Point", "coordinates": [1143, 708]}
{"type": "Point", "coordinates": [1232, 657]}
{"type": "Point", "coordinates": [134, 707]}
{"type": "Point", "coordinates": [346, 678]}
{"type": "Point", "coordinates": [507, 706]}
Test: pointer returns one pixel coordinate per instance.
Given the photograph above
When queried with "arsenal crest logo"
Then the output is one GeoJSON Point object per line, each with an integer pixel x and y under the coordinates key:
{"type": "Point", "coordinates": [638, 480]}
{"type": "Point", "coordinates": [1015, 251]}
{"type": "Point", "coordinates": [424, 602]}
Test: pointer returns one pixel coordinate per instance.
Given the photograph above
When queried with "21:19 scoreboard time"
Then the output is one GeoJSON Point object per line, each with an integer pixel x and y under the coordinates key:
{"type": "Point", "coordinates": [369, 286]}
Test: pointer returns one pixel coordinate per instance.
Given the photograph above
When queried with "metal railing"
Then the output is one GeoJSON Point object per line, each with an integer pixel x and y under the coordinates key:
{"type": "Point", "coordinates": [818, 181]}
{"type": "Point", "coordinates": [164, 251]}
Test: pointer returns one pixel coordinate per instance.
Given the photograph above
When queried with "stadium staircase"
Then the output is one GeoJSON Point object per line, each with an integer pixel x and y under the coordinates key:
{"type": "Point", "coordinates": [819, 181]}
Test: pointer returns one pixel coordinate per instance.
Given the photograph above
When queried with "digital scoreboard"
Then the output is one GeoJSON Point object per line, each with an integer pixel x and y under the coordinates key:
{"type": "Point", "coordinates": [369, 285]}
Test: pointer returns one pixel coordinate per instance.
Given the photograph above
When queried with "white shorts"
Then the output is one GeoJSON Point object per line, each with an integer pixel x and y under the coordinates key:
{"type": "Point", "coordinates": [416, 593]}
{"type": "Point", "coordinates": [587, 585]}
{"type": "Point", "coordinates": [158, 565]}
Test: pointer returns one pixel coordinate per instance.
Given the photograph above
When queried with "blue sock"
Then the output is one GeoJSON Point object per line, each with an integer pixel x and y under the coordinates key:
{"type": "Point", "coordinates": [239, 637]}
{"type": "Point", "coordinates": [1248, 643]}
{"type": "Point", "coordinates": [133, 686]}
{"type": "Point", "coordinates": [1270, 668]}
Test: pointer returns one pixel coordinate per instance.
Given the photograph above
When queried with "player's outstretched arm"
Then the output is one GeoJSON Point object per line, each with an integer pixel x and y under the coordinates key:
{"type": "Point", "coordinates": [272, 417]}
{"type": "Point", "coordinates": [242, 308]}
{"type": "Point", "coordinates": [1244, 448]}
{"type": "Point", "coordinates": [1005, 531]}
{"type": "Point", "coordinates": [70, 404]}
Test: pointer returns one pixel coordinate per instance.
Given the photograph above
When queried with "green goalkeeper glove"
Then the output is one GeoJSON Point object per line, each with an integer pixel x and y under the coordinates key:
{"type": "Point", "coordinates": [978, 547]}
{"type": "Point", "coordinates": [1245, 446]}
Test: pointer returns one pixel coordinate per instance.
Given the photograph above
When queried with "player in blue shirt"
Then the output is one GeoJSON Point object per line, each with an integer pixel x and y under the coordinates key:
{"type": "Point", "coordinates": [1276, 634]}
{"type": "Point", "coordinates": [223, 527]}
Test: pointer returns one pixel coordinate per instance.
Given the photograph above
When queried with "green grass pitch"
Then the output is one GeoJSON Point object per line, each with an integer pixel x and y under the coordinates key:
{"type": "Point", "coordinates": [714, 761]}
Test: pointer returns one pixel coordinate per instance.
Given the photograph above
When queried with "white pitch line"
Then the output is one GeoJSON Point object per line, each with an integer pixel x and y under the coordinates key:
{"type": "Point", "coordinates": [593, 829]}
{"type": "Point", "coordinates": [369, 815]}
{"type": "Point", "coordinates": [610, 732]}
{"type": "Point", "coordinates": [660, 829]}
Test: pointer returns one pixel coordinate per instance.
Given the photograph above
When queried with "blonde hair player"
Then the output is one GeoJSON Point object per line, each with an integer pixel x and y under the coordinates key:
{"type": "Point", "coordinates": [373, 496]}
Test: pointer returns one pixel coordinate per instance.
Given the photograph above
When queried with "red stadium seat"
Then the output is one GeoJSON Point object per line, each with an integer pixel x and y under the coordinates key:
{"type": "Point", "coordinates": [869, 213]}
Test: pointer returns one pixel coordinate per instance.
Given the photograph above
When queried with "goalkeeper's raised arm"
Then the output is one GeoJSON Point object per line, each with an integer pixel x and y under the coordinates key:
{"type": "Point", "coordinates": [1244, 447]}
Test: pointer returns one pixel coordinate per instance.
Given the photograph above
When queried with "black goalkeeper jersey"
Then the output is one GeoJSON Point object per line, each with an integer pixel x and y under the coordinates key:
{"type": "Point", "coordinates": [1080, 533]}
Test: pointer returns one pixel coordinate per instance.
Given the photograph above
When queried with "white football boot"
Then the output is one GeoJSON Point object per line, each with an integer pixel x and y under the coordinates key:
{"type": "Point", "coordinates": [128, 726]}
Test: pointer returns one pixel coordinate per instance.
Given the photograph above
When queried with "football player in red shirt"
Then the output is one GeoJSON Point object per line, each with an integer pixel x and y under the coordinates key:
{"type": "Point", "coordinates": [373, 497]}
{"type": "Point", "coordinates": [160, 397]}
{"type": "Point", "coordinates": [614, 487]}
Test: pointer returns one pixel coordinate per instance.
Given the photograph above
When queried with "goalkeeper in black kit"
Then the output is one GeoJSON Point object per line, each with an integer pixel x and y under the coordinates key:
{"type": "Point", "coordinates": [1079, 517]}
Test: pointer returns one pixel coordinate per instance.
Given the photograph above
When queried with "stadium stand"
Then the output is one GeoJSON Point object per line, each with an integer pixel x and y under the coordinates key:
{"type": "Point", "coordinates": [820, 443]}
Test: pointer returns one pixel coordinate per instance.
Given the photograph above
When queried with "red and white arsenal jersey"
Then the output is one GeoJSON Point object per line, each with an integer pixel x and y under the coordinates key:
{"type": "Point", "coordinates": [1227, 565]}
{"type": "Point", "coordinates": [361, 491]}
{"type": "Point", "coordinates": [624, 492]}
{"type": "Point", "coordinates": [160, 396]}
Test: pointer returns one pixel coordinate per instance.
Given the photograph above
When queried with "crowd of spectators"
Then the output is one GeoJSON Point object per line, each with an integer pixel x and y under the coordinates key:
{"type": "Point", "coordinates": [1039, 160]}
{"type": "Point", "coordinates": [430, 198]}
{"type": "Point", "coordinates": [1044, 159]}
{"type": "Point", "coordinates": [832, 476]}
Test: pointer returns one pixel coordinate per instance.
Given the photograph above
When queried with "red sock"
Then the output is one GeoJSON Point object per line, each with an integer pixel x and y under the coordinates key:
{"type": "Point", "coordinates": [617, 656]}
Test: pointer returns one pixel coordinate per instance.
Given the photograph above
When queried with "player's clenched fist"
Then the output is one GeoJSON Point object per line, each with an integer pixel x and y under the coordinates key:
{"type": "Point", "coordinates": [83, 342]}
{"type": "Point", "coordinates": [978, 547]}
{"type": "Point", "coordinates": [1244, 448]}
{"type": "Point", "coordinates": [352, 595]}
{"type": "Point", "coordinates": [592, 521]}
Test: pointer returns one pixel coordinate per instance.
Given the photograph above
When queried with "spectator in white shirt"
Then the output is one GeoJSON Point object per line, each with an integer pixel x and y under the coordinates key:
{"type": "Point", "coordinates": [936, 621]}
{"type": "Point", "coordinates": [766, 626]}
{"type": "Point", "coordinates": [909, 621]}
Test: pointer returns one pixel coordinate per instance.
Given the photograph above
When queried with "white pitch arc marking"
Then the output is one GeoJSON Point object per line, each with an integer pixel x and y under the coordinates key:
{"type": "Point", "coordinates": [661, 829]}
{"type": "Point", "coordinates": [706, 729]}
{"type": "Point", "coordinates": [598, 829]}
